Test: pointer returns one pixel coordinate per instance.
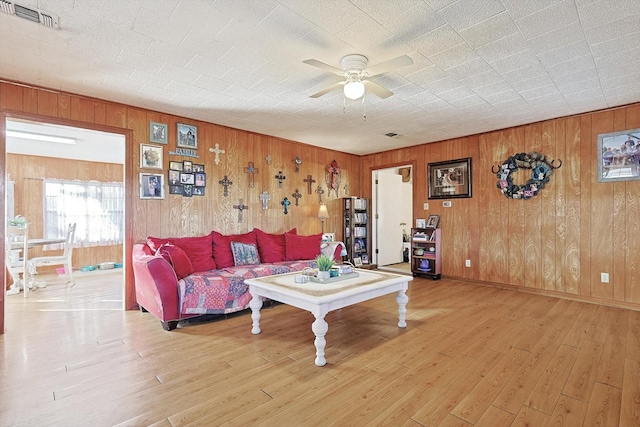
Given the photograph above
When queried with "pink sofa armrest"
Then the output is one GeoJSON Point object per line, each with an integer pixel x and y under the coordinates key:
{"type": "Point", "coordinates": [156, 284]}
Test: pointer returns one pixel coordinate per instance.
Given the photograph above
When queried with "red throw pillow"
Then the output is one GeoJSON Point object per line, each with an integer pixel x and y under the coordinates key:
{"type": "Point", "coordinates": [271, 247]}
{"type": "Point", "coordinates": [222, 246]}
{"type": "Point", "coordinates": [302, 247]}
{"type": "Point", "coordinates": [198, 249]}
{"type": "Point", "coordinates": [177, 258]}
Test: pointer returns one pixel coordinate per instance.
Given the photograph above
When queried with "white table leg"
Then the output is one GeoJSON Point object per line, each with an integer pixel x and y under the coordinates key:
{"type": "Point", "coordinates": [256, 305]}
{"type": "Point", "coordinates": [402, 299]}
{"type": "Point", "coordinates": [320, 328]}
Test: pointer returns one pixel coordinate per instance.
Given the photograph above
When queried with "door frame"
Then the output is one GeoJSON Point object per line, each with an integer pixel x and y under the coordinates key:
{"type": "Point", "coordinates": [372, 170]}
{"type": "Point", "coordinates": [129, 288]}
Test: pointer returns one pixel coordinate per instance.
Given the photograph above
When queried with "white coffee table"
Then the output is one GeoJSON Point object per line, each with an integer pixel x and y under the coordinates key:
{"type": "Point", "coordinates": [320, 299]}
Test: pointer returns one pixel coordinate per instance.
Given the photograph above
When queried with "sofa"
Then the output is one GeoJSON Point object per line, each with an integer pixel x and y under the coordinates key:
{"type": "Point", "coordinates": [184, 277]}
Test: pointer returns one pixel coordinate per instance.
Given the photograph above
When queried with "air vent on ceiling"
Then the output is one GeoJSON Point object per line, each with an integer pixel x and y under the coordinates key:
{"type": "Point", "coordinates": [391, 134]}
{"type": "Point", "coordinates": [34, 15]}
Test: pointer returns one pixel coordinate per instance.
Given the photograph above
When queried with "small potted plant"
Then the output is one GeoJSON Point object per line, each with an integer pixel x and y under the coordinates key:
{"type": "Point", "coordinates": [324, 264]}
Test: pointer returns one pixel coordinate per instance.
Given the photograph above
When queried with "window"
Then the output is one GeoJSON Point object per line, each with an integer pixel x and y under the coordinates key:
{"type": "Point", "coordinates": [97, 208]}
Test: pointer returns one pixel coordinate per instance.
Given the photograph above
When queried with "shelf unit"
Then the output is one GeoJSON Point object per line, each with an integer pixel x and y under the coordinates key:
{"type": "Point", "coordinates": [356, 229]}
{"type": "Point", "coordinates": [426, 252]}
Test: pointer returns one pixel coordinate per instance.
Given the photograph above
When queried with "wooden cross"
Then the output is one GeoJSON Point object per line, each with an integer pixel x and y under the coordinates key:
{"type": "Point", "coordinates": [251, 170]}
{"type": "Point", "coordinates": [280, 177]}
{"type": "Point", "coordinates": [218, 151]}
{"type": "Point", "coordinates": [297, 161]}
{"type": "Point", "coordinates": [225, 183]}
{"type": "Point", "coordinates": [286, 204]}
{"type": "Point", "coordinates": [320, 192]}
{"type": "Point", "coordinates": [309, 182]}
{"type": "Point", "coordinates": [297, 196]}
{"type": "Point", "coordinates": [241, 206]}
{"type": "Point", "coordinates": [265, 199]}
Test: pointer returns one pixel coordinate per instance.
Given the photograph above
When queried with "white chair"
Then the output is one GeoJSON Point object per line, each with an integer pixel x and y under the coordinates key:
{"type": "Point", "coordinates": [16, 253]}
{"type": "Point", "coordinates": [64, 259]}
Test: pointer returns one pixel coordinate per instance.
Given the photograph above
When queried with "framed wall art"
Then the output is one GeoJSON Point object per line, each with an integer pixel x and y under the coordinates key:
{"type": "Point", "coordinates": [158, 133]}
{"type": "Point", "coordinates": [187, 136]}
{"type": "Point", "coordinates": [450, 179]}
{"type": "Point", "coordinates": [150, 157]}
{"type": "Point", "coordinates": [432, 221]}
{"type": "Point", "coordinates": [151, 186]}
{"type": "Point", "coordinates": [619, 156]}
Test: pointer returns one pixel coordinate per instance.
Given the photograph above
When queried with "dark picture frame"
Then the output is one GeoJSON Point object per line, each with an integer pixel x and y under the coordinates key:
{"type": "Point", "coordinates": [619, 156]}
{"type": "Point", "coordinates": [158, 133]}
{"type": "Point", "coordinates": [176, 166]}
{"type": "Point", "coordinates": [187, 136]}
{"type": "Point", "coordinates": [432, 221]}
{"type": "Point", "coordinates": [450, 179]}
{"type": "Point", "coordinates": [198, 191]}
{"type": "Point", "coordinates": [187, 178]}
{"type": "Point", "coordinates": [201, 179]}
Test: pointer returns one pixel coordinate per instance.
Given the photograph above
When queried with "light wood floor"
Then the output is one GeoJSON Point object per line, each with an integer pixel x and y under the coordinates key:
{"type": "Point", "coordinates": [470, 356]}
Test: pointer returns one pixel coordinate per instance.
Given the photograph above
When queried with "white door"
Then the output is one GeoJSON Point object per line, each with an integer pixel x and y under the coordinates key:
{"type": "Point", "coordinates": [389, 232]}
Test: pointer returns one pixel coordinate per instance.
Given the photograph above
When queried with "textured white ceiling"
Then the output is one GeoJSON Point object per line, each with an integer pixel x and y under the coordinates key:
{"type": "Point", "coordinates": [479, 65]}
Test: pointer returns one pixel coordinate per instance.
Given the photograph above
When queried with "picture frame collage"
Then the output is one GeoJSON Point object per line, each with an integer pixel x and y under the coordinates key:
{"type": "Point", "coordinates": [186, 178]}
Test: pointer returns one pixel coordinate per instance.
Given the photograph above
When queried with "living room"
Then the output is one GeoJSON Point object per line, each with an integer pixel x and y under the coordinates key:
{"type": "Point", "coordinates": [556, 244]}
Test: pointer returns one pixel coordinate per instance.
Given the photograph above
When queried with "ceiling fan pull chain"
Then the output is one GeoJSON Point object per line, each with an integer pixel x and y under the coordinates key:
{"type": "Point", "coordinates": [364, 112]}
{"type": "Point", "coordinates": [344, 104]}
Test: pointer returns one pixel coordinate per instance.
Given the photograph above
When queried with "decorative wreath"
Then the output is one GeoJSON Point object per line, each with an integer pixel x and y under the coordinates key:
{"type": "Point", "coordinates": [541, 171]}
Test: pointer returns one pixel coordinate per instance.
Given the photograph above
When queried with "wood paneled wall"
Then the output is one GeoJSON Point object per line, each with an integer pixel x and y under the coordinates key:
{"type": "Point", "coordinates": [27, 173]}
{"type": "Point", "coordinates": [192, 216]}
{"type": "Point", "coordinates": [557, 242]}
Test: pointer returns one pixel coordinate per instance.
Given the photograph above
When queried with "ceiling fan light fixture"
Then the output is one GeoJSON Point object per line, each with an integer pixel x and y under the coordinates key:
{"type": "Point", "coordinates": [354, 89]}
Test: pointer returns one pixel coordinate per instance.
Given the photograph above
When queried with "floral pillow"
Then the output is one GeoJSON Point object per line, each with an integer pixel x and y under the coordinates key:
{"type": "Point", "coordinates": [244, 253]}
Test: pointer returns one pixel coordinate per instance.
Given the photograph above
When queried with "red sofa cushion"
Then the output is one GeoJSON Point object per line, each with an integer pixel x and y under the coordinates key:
{"type": "Point", "coordinates": [302, 247]}
{"type": "Point", "coordinates": [198, 249]}
{"type": "Point", "coordinates": [177, 258]}
{"type": "Point", "coordinates": [271, 247]}
{"type": "Point", "coordinates": [222, 246]}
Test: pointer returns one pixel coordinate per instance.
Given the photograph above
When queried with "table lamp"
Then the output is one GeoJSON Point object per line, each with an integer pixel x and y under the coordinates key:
{"type": "Point", "coordinates": [323, 214]}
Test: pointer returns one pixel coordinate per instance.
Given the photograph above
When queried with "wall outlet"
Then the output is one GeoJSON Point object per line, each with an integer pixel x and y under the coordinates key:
{"type": "Point", "coordinates": [426, 206]}
{"type": "Point", "coordinates": [604, 277]}
{"type": "Point", "coordinates": [446, 204]}
{"type": "Point", "coordinates": [467, 263]}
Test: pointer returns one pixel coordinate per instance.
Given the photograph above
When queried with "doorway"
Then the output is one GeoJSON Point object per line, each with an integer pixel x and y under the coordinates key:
{"type": "Point", "coordinates": [36, 152]}
{"type": "Point", "coordinates": [392, 213]}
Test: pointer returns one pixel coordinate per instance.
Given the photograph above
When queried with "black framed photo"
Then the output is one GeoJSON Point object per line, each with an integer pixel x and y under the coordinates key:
{"type": "Point", "coordinates": [176, 166]}
{"type": "Point", "coordinates": [175, 189]}
{"type": "Point", "coordinates": [198, 191]}
{"type": "Point", "coordinates": [198, 168]}
{"type": "Point", "coordinates": [187, 166]}
{"type": "Point", "coordinates": [187, 136]}
{"type": "Point", "coordinates": [173, 177]}
{"type": "Point", "coordinates": [201, 179]}
{"type": "Point", "coordinates": [187, 190]}
{"type": "Point", "coordinates": [619, 156]}
{"type": "Point", "coordinates": [432, 221]}
{"type": "Point", "coordinates": [450, 179]}
{"type": "Point", "coordinates": [187, 178]}
{"type": "Point", "coordinates": [158, 133]}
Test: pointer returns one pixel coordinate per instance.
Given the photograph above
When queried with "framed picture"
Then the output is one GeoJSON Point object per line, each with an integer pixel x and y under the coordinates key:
{"type": "Point", "coordinates": [432, 221]}
{"type": "Point", "coordinates": [619, 156]}
{"type": "Point", "coordinates": [151, 186]}
{"type": "Point", "coordinates": [357, 261]}
{"type": "Point", "coordinates": [158, 133]}
{"type": "Point", "coordinates": [187, 136]}
{"type": "Point", "coordinates": [198, 168]}
{"type": "Point", "coordinates": [187, 178]}
{"type": "Point", "coordinates": [365, 259]}
{"type": "Point", "coordinates": [176, 166]}
{"type": "Point", "coordinates": [187, 190]}
{"type": "Point", "coordinates": [150, 157]}
{"type": "Point", "coordinates": [421, 223]}
{"type": "Point", "coordinates": [187, 166]}
{"type": "Point", "coordinates": [175, 189]}
{"type": "Point", "coordinates": [201, 179]}
{"type": "Point", "coordinates": [198, 191]}
{"type": "Point", "coordinates": [450, 179]}
{"type": "Point", "coordinates": [173, 177]}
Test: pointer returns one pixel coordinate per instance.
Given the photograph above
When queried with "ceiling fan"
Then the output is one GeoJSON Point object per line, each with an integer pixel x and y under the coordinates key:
{"type": "Point", "coordinates": [356, 74]}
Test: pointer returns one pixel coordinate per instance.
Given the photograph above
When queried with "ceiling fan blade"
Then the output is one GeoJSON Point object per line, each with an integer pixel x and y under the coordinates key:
{"type": "Point", "coordinates": [390, 65]}
{"type": "Point", "coordinates": [327, 90]}
{"type": "Point", "coordinates": [323, 66]}
{"type": "Point", "coordinates": [376, 89]}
